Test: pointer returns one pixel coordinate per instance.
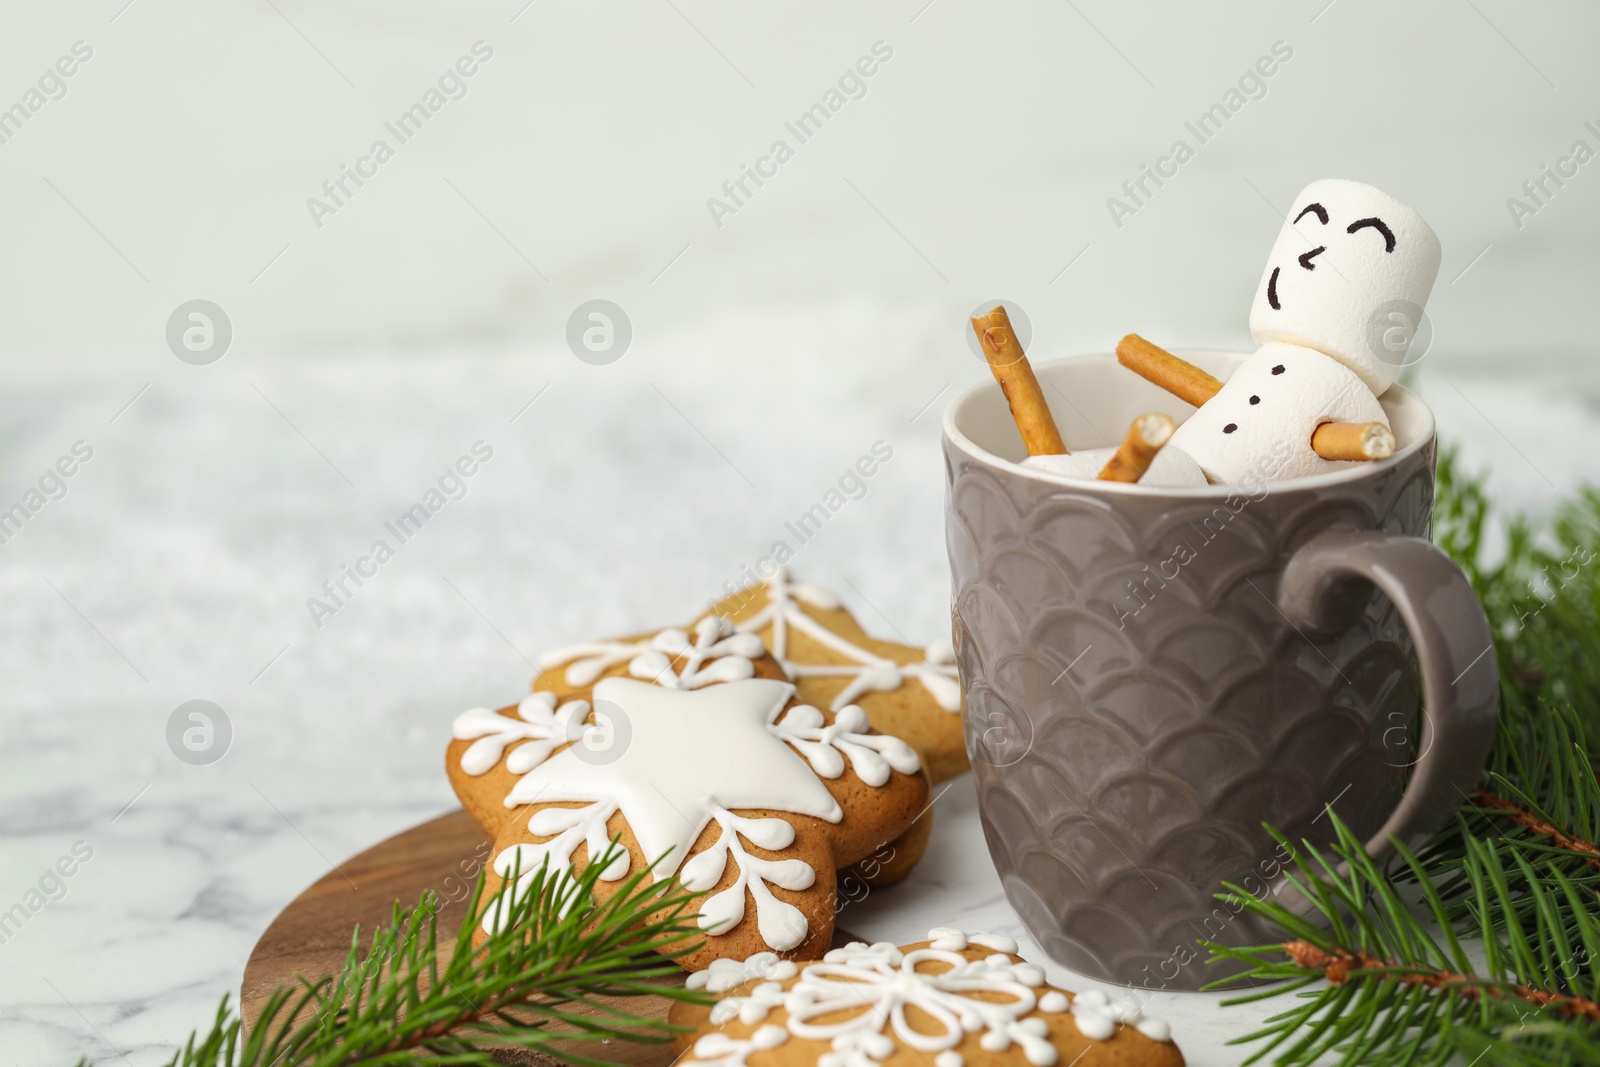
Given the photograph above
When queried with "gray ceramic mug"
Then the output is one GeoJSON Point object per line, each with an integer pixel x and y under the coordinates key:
{"type": "Point", "coordinates": [1152, 674]}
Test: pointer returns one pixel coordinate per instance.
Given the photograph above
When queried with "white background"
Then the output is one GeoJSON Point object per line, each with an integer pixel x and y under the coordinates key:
{"type": "Point", "coordinates": [594, 136]}
{"type": "Point", "coordinates": [768, 354]}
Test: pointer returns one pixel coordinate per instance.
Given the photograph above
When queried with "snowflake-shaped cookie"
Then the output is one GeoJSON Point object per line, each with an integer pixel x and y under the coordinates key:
{"type": "Point", "coordinates": [955, 997]}
{"type": "Point", "coordinates": [699, 756]}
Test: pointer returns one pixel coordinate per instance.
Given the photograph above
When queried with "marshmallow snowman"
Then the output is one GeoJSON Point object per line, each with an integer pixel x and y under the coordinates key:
{"type": "Point", "coordinates": [1338, 304]}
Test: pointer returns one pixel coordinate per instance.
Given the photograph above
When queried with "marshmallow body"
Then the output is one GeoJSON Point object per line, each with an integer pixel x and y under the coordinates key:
{"type": "Point", "coordinates": [1170, 468]}
{"type": "Point", "coordinates": [1259, 426]}
{"type": "Point", "coordinates": [1349, 275]}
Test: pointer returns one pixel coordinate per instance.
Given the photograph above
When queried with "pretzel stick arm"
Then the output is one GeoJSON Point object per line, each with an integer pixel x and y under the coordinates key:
{"type": "Point", "coordinates": [1138, 450]}
{"type": "Point", "coordinates": [1017, 381]}
{"type": "Point", "coordinates": [1332, 440]}
{"type": "Point", "coordinates": [1353, 440]}
{"type": "Point", "coordinates": [1155, 364]}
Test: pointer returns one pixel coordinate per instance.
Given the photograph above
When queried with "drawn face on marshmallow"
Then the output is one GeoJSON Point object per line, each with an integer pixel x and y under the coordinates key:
{"type": "Point", "coordinates": [1349, 275]}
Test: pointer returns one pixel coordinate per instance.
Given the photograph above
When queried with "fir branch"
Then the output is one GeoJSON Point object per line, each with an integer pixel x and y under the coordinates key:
{"type": "Point", "coordinates": [1541, 763]}
{"type": "Point", "coordinates": [1337, 965]}
{"type": "Point", "coordinates": [1539, 798]}
{"type": "Point", "coordinates": [1381, 983]}
{"type": "Point", "coordinates": [1528, 820]}
{"type": "Point", "coordinates": [532, 984]}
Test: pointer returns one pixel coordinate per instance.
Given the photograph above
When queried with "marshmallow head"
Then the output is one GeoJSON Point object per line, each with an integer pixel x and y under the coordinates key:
{"type": "Point", "coordinates": [1258, 427]}
{"type": "Point", "coordinates": [1348, 276]}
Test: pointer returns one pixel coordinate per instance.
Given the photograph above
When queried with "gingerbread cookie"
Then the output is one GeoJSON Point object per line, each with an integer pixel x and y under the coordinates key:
{"type": "Point", "coordinates": [956, 999]}
{"type": "Point", "coordinates": [912, 693]}
{"type": "Point", "coordinates": [699, 755]}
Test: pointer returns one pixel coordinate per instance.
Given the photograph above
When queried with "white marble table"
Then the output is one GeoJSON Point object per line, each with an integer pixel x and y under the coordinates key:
{"type": "Point", "coordinates": [178, 564]}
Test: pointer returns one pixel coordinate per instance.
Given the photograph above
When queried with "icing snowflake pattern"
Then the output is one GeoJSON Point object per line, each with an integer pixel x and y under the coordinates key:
{"type": "Point", "coordinates": [716, 653]}
{"type": "Point", "coordinates": [695, 755]}
{"type": "Point", "coordinates": [752, 1007]}
{"type": "Point", "coordinates": [720, 1050]}
{"type": "Point", "coordinates": [782, 925]}
{"type": "Point", "coordinates": [953, 940]}
{"type": "Point", "coordinates": [539, 725]}
{"type": "Point", "coordinates": [871, 986]}
{"type": "Point", "coordinates": [869, 673]}
{"type": "Point", "coordinates": [1097, 1016]}
{"type": "Point", "coordinates": [722, 975]}
{"type": "Point", "coordinates": [856, 1001]}
{"type": "Point", "coordinates": [707, 737]}
{"type": "Point", "coordinates": [827, 747]}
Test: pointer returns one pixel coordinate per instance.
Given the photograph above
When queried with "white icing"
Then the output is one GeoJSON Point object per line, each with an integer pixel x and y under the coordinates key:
{"type": "Point", "coordinates": [1097, 1016]}
{"type": "Point", "coordinates": [724, 974]}
{"type": "Point", "coordinates": [782, 925]}
{"type": "Point", "coordinates": [826, 747]}
{"type": "Point", "coordinates": [750, 1008]}
{"type": "Point", "coordinates": [863, 991]}
{"type": "Point", "coordinates": [1095, 1025]}
{"type": "Point", "coordinates": [693, 756]}
{"type": "Point", "coordinates": [1154, 1029]}
{"type": "Point", "coordinates": [715, 639]}
{"type": "Point", "coordinates": [953, 940]}
{"type": "Point", "coordinates": [998, 942]}
{"type": "Point", "coordinates": [720, 1050]}
{"type": "Point", "coordinates": [539, 724]}
{"type": "Point", "coordinates": [588, 662]}
{"type": "Point", "coordinates": [869, 673]}
{"type": "Point", "coordinates": [732, 655]}
{"type": "Point", "coordinates": [857, 997]}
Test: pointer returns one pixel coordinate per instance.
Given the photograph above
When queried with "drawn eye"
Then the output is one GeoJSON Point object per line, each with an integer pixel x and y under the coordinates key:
{"type": "Point", "coordinates": [1375, 224]}
{"type": "Point", "coordinates": [1278, 369]}
{"type": "Point", "coordinates": [1255, 400]}
{"type": "Point", "coordinates": [1232, 426]}
{"type": "Point", "coordinates": [1313, 209]}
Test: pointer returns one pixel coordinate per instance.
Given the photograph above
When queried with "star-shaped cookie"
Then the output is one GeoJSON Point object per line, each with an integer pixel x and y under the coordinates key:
{"type": "Point", "coordinates": [911, 693]}
{"type": "Point", "coordinates": [700, 756]}
{"type": "Point", "coordinates": [955, 1000]}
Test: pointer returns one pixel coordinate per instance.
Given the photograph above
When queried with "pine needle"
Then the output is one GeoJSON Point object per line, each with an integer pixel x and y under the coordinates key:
{"type": "Point", "coordinates": [532, 984]}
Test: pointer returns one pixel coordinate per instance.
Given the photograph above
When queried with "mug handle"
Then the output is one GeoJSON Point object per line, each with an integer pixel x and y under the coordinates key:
{"type": "Point", "coordinates": [1460, 675]}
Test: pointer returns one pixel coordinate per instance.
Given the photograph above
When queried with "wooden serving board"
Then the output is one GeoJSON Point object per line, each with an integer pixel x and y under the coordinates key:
{"type": "Point", "coordinates": [311, 937]}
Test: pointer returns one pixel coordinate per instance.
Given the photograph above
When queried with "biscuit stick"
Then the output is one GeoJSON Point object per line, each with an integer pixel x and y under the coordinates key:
{"type": "Point", "coordinates": [1017, 382]}
{"type": "Point", "coordinates": [1353, 440]}
{"type": "Point", "coordinates": [1180, 378]}
{"type": "Point", "coordinates": [1331, 440]}
{"type": "Point", "coordinates": [1145, 438]}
